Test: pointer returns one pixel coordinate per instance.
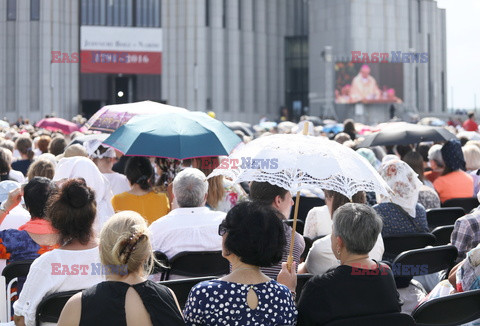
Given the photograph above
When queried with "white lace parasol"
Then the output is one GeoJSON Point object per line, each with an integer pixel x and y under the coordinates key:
{"type": "Point", "coordinates": [296, 162]}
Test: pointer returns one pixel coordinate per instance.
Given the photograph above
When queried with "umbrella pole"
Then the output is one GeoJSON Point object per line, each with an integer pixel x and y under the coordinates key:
{"type": "Point", "coordinates": [294, 227]}
{"type": "Point", "coordinates": [295, 216]}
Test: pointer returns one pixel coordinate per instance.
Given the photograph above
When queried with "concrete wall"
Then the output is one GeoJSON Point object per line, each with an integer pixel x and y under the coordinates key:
{"type": "Point", "coordinates": [235, 65]}
{"type": "Point", "coordinates": [379, 26]}
{"type": "Point", "coordinates": [31, 86]}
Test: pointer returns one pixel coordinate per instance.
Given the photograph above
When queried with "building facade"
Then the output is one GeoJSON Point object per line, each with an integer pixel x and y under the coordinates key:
{"type": "Point", "coordinates": [228, 56]}
{"type": "Point", "coordinates": [30, 84]}
{"type": "Point", "coordinates": [338, 27]}
{"type": "Point", "coordinates": [242, 59]}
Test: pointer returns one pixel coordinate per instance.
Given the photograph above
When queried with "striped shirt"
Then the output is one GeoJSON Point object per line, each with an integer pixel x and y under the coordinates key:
{"type": "Point", "coordinates": [298, 248]}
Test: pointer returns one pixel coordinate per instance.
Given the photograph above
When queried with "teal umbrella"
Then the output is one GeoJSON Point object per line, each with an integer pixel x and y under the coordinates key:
{"type": "Point", "coordinates": [178, 135]}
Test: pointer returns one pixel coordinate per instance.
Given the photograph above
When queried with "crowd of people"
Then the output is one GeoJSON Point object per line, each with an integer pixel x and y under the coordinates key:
{"type": "Point", "coordinates": [91, 219]}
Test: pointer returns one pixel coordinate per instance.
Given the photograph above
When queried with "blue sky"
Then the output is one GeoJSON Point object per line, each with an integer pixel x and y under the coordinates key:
{"type": "Point", "coordinates": [463, 51]}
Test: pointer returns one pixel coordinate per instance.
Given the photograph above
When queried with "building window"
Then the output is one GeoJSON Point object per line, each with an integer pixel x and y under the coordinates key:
{"type": "Point", "coordinates": [207, 13]}
{"type": "Point", "coordinates": [444, 105]}
{"type": "Point", "coordinates": [11, 10]}
{"type": "Point", "coordinates": [416, 89]}
{"type": "Point", "coordinates": [253, 16]}
{"type": "Point", "coordinates": [34, 9]}
{"type": "Point", "coordinates": [239, 14]}
{"type": "Point", "coordinates": [419, 7]}
{"type": "Point", "coordinates": [224, 14]}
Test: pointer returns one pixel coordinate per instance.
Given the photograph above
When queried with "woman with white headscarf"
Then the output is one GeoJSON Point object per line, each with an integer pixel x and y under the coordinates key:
{"type": "Point", "coordinates": [104, 158]}
{"type": "Point", "coordinates": [82, 167]}
{"type": "Point", "coordinates": [401, 213]}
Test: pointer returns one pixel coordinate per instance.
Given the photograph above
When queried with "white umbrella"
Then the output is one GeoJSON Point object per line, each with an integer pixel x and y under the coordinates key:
{"type": "Point", "coordinates": [295, 162]}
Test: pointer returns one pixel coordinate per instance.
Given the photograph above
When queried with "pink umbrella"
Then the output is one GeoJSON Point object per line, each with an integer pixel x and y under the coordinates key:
{"type": "Point", "coordinates": [58, 124]}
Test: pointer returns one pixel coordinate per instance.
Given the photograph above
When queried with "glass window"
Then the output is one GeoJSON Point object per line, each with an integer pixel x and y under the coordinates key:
{"type": "Point", "coordinates": [11, 10]}
{"type": "Point", "coordinates": [207, 13]}
{"type": "Point", "coordinates": [239, 14]}
{"type": "Point", "coordinates": [34, 9]}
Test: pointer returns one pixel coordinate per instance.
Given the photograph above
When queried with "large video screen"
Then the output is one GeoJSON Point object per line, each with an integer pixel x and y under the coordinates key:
{"type": "Point", "coordinates": [368, 82]}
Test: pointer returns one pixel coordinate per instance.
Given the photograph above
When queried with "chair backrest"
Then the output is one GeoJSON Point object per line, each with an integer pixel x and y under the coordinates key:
{"type": "Point", "coordinates": [425, 261]}
{"type": "Point", "coordinates": [442, 234]}
{"type": "Point", "coordinates": [163, 263]}
{"type": "Point", "coordinates": [443, 216]}
{"type": "Point", "coordinates": [301, 280]}
{"type": "Point", "coordinates": [49, 309]}
{"type": "Point", "coordinates": [300, 225]}
{"type": "Point", "coordinates": [199, 263]}
{"type": "Point", "coordinates": [468, 204]}
{"type": "Point", "coordinates": [182, 288]}
{"type": "Point", "coordinates": [16, 269]}
{"type": "Point", "coordinates": [308, 245]}
{"type": "Point", "coordinates": [453, 309]}
{"type": "Point", "coordinates": [306, 204]}
{"type": "Point", "coordinates": [392, 319]}
{"type": "Point", "coordinates": [15, 273]}
{"type": "Point", "coordinates": [396, 244]}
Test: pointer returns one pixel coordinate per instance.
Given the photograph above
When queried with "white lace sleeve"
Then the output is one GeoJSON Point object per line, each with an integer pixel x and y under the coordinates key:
{"type": "Point", "coordinates": [311, 225]}
{"type": "Point", "coordinates": [318, 222]}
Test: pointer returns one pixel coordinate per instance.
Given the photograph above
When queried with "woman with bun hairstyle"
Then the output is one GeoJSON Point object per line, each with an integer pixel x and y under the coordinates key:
{"type": "Point", "coordinates": [141, 198]}
{"type": "Point", "coordinates": [83, 167]}
{"type": "Point", "coordinates": [71, 211]}
{"type": "Point", "coordinates": [126, 297]}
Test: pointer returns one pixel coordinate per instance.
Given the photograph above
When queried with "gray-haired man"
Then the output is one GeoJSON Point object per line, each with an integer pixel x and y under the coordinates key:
{"type": "Point", "coordinates": [191, 226]}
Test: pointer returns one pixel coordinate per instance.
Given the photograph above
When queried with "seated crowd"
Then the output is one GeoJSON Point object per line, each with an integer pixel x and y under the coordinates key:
{"type": "Point", "coordinates": [91, 219]}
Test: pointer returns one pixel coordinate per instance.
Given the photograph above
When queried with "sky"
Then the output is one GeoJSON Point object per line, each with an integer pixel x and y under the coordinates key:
{"type": "Point", "coordinates": [463, 52]}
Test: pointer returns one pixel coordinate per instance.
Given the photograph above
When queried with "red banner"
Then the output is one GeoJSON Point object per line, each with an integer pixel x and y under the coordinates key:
{"type": "Point", "coordinates": [118, 62]}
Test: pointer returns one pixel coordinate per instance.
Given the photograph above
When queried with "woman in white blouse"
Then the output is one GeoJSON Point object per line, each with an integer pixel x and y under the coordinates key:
{"type": "Point", "coordinates": [73, 266]}
{"type": "Point", "coordinates": [320, 257]}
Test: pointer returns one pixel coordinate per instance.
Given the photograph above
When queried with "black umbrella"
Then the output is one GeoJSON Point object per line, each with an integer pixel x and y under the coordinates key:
{"type": "Point", "coordinates": [84, 138]}
{"type": "Point", "coordinates": [244, 127]}
{"type": "Point", "coordinates": [404, 134]}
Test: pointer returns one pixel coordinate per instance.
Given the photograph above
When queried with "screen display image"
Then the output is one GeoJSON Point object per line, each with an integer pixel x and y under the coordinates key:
{"type": "Point", "coordinates": [368, 82]}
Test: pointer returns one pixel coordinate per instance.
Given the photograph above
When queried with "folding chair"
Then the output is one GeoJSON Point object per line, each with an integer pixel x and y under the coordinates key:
{"type": "Point", "coordinates": [306, 204]}
{"type": "Point", "coordinates": [50, 308]}
{"type": "Point", "coordinates": [197, 264]}
{"type": "Point", "coordinates": [443, 216]}
{"type": "Point", "coordinates": [442, 234]}
{"type": "Point", "coordinates": [468, 203]}
{"type": "Point", "coordinates": [398, 243]}
{"type": "Point", "coordinates": [422, 261]}
{"type": "Point", "coordinates": [162, 263]}
{"type": "Point", "coordinates": [302, 279]}
{"type": "Point", "coordinates": [12, 272]}
{"type": "Point", "coordinates": [450, 310]}
{"type": "Point", "coordinates": [4, 304]}
{"type": "Point", "coordinates": [182, 287]}
{"type": "Point", "coordinates": [300, 225]}
{"type": "Point", "coordinates": [393, 319]}
{"type": "Point", "coordinates": [308, 245]}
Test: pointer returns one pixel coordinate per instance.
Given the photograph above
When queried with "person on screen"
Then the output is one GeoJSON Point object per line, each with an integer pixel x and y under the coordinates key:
{"type": "Point", "coordinates": [364, 86]}
{"type": "Point", "coordinates": [343, 96]}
